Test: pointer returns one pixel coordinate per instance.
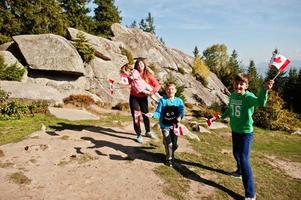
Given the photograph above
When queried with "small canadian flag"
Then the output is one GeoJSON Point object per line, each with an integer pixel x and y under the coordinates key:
{"type": "Point", "coordinates": [279, 61]}
{"type": "Point", "coordinates": [111, 87]}
{"type": "Point", "coordinates": [177, 130]}
{"type": "Point", "coordinates": [124, 79]}
{"type": "Point", "coordinates": [137, 115]}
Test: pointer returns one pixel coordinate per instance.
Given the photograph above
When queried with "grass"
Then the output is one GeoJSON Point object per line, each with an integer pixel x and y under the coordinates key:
{"type": "Point", "coordinates": [16, 130]}
{"type": "Point", "coordinates": [211, 159]}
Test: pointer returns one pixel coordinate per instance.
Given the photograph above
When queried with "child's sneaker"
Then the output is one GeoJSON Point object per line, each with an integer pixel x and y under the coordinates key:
{"type": "Point", "coordinates": [169, 163]}
{"type": "Point", "coordinates": [235, 174]}
{"type": "Point", "coordinates": [150, 135]}
{"type": "Point", "coordinates": [139, 139]}
{"type": "Point", "coordinates": [250, 198]}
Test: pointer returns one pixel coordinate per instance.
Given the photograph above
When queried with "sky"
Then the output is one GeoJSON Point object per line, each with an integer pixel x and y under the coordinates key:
{"type": "Point", "coordinates": [254, 28]}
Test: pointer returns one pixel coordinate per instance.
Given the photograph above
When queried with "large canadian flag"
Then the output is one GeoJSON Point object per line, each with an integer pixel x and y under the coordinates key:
{"type": "Point", "coordinates": [279, 61]}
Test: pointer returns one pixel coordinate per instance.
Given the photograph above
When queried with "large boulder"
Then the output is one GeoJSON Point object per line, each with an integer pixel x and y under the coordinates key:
{"type": "Point", "coordinates": [50, 52]}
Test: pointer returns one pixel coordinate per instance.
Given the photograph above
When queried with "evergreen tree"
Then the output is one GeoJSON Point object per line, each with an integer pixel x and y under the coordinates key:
{"type": "Point", "coordinates": [289, 91]}
{"type": "Point", "coordinates": [234, 67]}
{"type": "Point", "coordinates": [134, 24]}
{"type": "Point", "coordinates": [253, 78]}
{"type": "Point", "coordinates": [142, 25]}
{"type": "Point", "coordinates": [150, 27]}
{"type": "Point", "coordinates": [298, 94]}
{"type": "Point", "coordinates": [161, 40]}
{"type": "Point", "coordinates": [106, 14]}
{"type": "Point", "coordinates": [76, 13]}
{"type": "Point", "coordinates": [196, 52]}
{"type": "Point", "coordinates": [32, 17]}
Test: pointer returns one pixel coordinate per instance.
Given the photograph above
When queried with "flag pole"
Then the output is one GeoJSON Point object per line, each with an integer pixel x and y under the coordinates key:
{"type": "Point", "coordinates": [276, 75]}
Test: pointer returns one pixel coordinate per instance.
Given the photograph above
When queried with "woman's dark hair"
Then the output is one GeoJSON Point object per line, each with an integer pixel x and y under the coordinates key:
{"type": "Point", "coordinates": [137, 63]}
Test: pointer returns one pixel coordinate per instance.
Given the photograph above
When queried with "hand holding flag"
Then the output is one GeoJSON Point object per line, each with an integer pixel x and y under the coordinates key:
{"type": "Point", "coordinates": [212, 119]}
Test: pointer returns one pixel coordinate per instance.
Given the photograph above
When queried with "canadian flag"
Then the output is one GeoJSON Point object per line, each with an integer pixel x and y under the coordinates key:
{"type": "Point", "coordinates": [212, 119]}
{"type": "Point", "coordinates": [137, 115]}
{"type": "Point", "coordinates": [177, 130]}
{"type": "Point", "coordinates": [279, 61]}
{"type": "Point", "coordinates": [124, 79]}
{"type": "Point", "coordinates": [111, 87]}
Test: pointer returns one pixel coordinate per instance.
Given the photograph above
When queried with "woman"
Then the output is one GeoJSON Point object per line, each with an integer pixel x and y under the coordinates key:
{"type": "Point", "coordinates": [139, 101]}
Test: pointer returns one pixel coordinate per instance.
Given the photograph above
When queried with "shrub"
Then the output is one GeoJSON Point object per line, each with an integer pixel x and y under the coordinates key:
{"type": "Point", "coordinates": [128, 54]}
{"type": "Point", "coordinates": [84, 49]}
{"type": "Point", "coordinates": [13, 110]}
{"type": "Point", "coordinates": [11, 72]}
{"type": "Point", "coordinates": [200, 71]}
{"type": "Point", "coordinates": [4, 38]}
{"type": "Point", "coordinates": [79, 100]}
{"type": "Point", "coordinates": [38, 107]}
{"type": "Point", "coordinates": [274, 117]}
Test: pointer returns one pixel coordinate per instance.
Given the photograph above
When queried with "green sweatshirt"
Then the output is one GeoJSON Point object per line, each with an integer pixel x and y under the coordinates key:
{"type": "Point", "coordinates": [241, 108]}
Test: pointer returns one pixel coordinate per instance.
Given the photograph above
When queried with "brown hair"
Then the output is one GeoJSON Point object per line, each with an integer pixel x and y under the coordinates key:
{"type": "Point", "coordinates": [169, 84]}
{"type": "Point", "coordinates": [146, 73]}
{"type": "Point", "coordinates": [242, 77]}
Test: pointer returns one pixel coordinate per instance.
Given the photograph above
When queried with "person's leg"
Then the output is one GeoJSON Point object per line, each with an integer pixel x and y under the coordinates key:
{"type": "Point", "coordinates": [167, 144]}
{"type": "Point", "coordinates": [246, 169]}
{"type": "Point", "coordinates": [143, 102]}
{"type": "Point", "coordinates": [236, 143]}
{"type": "Point", "coordinates": [174, 140]}
{"type": "Point", "coordinates": [134, 105]}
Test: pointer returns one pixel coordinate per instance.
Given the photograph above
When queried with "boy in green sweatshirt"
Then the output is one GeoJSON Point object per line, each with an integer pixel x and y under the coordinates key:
{"type": "Point", "coordinates": [240, 110]}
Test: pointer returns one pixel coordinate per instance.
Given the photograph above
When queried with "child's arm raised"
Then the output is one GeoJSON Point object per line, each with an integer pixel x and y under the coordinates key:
{"type": "Point", "coordinates": [263, 95]}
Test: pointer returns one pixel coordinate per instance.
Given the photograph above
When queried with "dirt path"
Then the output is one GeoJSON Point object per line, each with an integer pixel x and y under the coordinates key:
{"type": "Point", "coordinates": [92, 163]}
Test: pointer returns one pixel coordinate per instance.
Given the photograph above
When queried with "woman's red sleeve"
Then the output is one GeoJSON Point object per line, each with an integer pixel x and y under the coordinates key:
{"type": "Point", "coordinates": [154, 83]}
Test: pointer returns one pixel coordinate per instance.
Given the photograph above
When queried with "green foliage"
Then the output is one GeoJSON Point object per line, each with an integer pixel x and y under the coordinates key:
{"type": "Point", "coordinates": [200, 71]}
{"type": "Point", "coordinates": [134, 24]}
{"type": "Point", "coordinates": [32, 17]}
{"type": "Point", "coordinates": [10, 73]}
{"type": "Point", "coordinates": [196, 52]}
{"type": "Point", "coordinates": [291, 90]}
{"type": "Point", "coordinates": [226, 68]}
{"type": "Point", "coordinates": [106, 14]}
{"type": "Point", "coordinates": [77, 14]}
{"type": "Point", "coordinates": [128, 54]}
{"type": "Point", "coordinates": [38, 107]}
{"type": "Point", "coordinates": [180, 88]}
{"type": "Point", "coordinates": [255, 82]}
{"type": "Point", "coordinates": [84, 49]}
{"type": "Point", "coordinates": [147, 24]}
{"type": "Point", "coordinates": [274, 117]}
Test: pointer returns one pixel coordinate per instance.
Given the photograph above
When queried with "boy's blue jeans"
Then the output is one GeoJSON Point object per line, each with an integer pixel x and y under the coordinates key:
{"type": "Point", "coordinates": [241, 150]}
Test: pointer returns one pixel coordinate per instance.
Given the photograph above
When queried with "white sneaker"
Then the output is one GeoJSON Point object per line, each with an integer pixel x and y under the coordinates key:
{"type": "Point", "coordinates": [250, 198]}
{"type": "Point", "coordinates": [150, 135]}
{"type": "Point", "coordinates": [139, 139]}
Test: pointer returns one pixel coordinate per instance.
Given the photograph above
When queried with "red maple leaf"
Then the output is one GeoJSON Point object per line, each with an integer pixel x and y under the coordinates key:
{"type": "Point", "coordinates": [277, 60]}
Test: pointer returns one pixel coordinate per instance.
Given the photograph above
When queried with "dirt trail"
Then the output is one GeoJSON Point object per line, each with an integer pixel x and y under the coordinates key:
{"type": "Point", "coordinates": [92, 163]}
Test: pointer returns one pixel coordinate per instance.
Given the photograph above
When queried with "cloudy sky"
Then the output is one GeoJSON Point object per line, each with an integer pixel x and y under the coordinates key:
{"type": "Point", "coordinates": [253, 27]}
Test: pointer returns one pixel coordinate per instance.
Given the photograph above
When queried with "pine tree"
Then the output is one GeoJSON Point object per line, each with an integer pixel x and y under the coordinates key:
{"type": "Point", "coordinates": [142, 25]}
{"type": "Point", "coordinates": [234, 67]}
{"type": "Point", "coordinates": [298, 94]}
{"type": "Point", "coordinates": [253, 77]}
{"type": "Point", "coordinates": [106, 14]}
{"type": "Point", "coordinates": [76, 13]}
{"type": "Point", "coordinates": [150, 27]}
{"type": "Point", "coordinates": [32, 17]}
{"type": "Point", "coordinates": [196, 52]}
{"type": "Point", "coordinates": [134, 24]}
{"type": "Point", "coordinates": [289, 92]}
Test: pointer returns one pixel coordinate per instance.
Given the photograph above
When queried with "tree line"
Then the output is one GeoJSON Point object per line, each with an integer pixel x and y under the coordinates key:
{"type": "Point", "coordinates": [19, 17]}
{"type": "Point", "coordinates": [287, 85]}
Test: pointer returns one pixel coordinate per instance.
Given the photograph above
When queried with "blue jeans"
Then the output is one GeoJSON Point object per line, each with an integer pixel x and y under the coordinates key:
{"type": "Point", "coordinates": [241, 150]}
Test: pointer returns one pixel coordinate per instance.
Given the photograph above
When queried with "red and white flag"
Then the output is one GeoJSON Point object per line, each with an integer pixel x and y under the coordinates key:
{"type": "Point", "coordinates": [137, 115]}
{"type": "Point", "coordinates": [177, 130]}
{"type": "Point", "coordinates": [124, 79]}
{"type": "Point", "coordinates": [279, 61]}
{"type": "Point", "coordinates": [212, 119]}
{"type": "Point", "coordinates": [111, 87]}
